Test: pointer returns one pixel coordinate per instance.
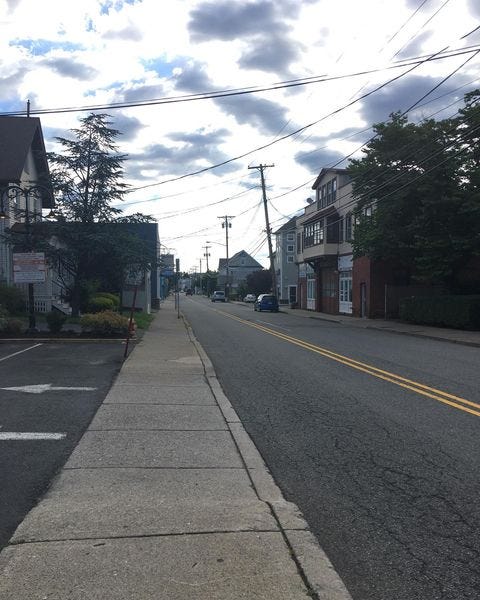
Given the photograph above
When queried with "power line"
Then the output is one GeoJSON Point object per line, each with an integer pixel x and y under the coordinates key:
{"type": "Point", "coordinates": [235, 92]}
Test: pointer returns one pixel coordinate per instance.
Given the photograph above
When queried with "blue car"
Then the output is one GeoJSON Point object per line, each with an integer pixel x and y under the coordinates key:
{"type": "Point", "coordinates": [266, 302]}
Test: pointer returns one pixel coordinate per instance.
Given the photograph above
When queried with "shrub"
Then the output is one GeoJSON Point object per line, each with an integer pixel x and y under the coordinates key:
{"type": "Point", "coordinates": [105, 323]}
{"type": "Point", "coordinates": [12, 298]}
{"type": "Point", "coordinates": [458, 312]}
{"type": "Point", "coordinates": [113, 297]}
{"type": "Point", "coordinates": [99, 303]}
{"type": "Point", "coordinates": [55, 321]}
{"type": "Point", "coordinates": [12, 326]}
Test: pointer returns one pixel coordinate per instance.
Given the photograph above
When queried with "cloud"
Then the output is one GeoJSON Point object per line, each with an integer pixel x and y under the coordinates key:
{"type": "Point", "coordinates": [128, 126]}
{"type": "Point", "coordinates": [403, 93]}
{"type": "Point", "coordinates": [227, 20]}
{"type": "Point", "coordinates": [68, 67]}
{"type": "Point", "coordinates": [264, 115]}
{"type": "Point", "coordinates": [130, 33]}
{"type": "Point", "coordinates": [474, 7]}
{"type": "Point", "coordinates": [414, 48]}
{"type": "Point", "coordinates": [316, 160]}
{"type": "Point", "coordinates": [142, 92]}
{"type": "Point", "coordinates": [192, 152]}
{"type": "Point", "coordinates": [193, 78]}
{"type": "Point", "coordinates": [272, 54]}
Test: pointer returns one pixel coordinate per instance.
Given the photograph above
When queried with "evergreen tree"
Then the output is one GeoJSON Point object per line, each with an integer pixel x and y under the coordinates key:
{"type": "Point", "coordinates": [87, 179]}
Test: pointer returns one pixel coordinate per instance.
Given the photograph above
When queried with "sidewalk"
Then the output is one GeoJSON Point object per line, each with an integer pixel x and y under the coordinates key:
{"type": "Point", "coordinates": [457, 336]}
{"type": "Point", "coordinates": [166, 498]}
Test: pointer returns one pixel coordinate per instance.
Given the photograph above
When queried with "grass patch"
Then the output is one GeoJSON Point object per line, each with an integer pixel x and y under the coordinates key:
{"type": "Point", "coordinates": [142, 319]}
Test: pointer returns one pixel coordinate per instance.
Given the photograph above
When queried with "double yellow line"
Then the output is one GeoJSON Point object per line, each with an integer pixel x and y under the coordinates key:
{"type": "Point", "coordinates": [424, 390]}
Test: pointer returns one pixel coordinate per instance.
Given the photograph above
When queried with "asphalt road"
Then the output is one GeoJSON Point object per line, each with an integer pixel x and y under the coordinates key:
{"type": "Point", "coordinates": [385, 471]}
{"type": "Point", "coordinates": [41, 424]}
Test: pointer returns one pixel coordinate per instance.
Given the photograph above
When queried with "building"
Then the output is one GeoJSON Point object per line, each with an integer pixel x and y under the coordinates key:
{"type": "Point", "coordinates": [324, 249]}
{"type": "Point", "coordinates": [240, 265]}
{"type": "Point", "coordinates": [25, 190]}
{"type": "Point", "coordinates": [286, 268]}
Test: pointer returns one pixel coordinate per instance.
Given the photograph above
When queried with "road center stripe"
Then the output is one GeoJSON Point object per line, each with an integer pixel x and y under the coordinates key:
{"type": "Point", "coordinates": [419, 388]}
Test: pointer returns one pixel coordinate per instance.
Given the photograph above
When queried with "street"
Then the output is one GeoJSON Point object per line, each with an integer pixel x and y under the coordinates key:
{"type": "Point", "coordinates": [48, 396]}
{"type": "Point", "coordinates": [373, 435]}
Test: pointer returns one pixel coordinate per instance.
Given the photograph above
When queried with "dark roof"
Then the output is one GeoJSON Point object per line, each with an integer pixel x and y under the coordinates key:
{"type": "Point", "coordinates": [17, 136]}
{"type": "Point", "coordinates": [287, 226]}
{"type": "Point", "coordinates": [324, 172]}
{"type": "Point", "coordinates": [235, 261]}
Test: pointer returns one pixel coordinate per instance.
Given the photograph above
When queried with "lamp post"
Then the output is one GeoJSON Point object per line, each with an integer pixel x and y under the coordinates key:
{"type": "Point", "coordinates": [11, 194]}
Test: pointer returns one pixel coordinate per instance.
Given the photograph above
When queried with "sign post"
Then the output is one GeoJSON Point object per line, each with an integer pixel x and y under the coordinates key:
{"type": "Point", "coordinates": [134, 276]}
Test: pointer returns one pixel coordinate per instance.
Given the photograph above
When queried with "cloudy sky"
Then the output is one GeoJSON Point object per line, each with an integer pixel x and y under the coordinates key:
{"type": "Point", "coordinates": [173, 75]}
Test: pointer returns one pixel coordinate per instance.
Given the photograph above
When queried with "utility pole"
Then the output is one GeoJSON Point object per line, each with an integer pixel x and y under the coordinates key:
{"type": "Point", "coordinates": [226, 225]}
{"type": "Point", "coordinates": [200, 276]}
{"type": "Point", "coordinates": [267, 223]}
{"type": "Point", "coordinates": [206, 255]}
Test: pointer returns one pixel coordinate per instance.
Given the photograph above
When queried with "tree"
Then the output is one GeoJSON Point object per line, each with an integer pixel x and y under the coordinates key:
{"type": "Point", "coordinates": [415, 202]}
{"type": "Point", "coordinates": [87, 179]}
{"type": "Point", "coordinates": [259, 282]}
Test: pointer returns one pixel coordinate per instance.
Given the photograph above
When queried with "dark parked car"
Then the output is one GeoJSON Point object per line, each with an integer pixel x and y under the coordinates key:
{"type": "Point", "coordinates": [266, 302]}
{"type": "Point", "coordinates": [188, 292]}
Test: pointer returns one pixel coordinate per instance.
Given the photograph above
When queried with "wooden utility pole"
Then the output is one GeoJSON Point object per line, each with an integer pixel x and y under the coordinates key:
{"type": "Point", "coordinates": [226, 225]}
{"type": "Point", "coordinates": [267, 224]}
{"type": "Point", "coordinates": [206, 255]}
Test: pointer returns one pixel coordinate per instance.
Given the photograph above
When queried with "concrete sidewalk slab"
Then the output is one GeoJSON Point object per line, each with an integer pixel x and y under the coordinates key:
{"type": "Point", "coordinates": [127, 393]}
{"type": "Point", "coordinates": [90, 503]}
{"type": "Point", "coordinates": [149, 449]}
{"type": "Point", "coordinates": [231, 566]}
{"type": "Point", "coordinates": [158, 417]}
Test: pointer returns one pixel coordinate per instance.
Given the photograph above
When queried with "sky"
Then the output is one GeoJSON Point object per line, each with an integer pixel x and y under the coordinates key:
{"type": "Point", "coordinates": [205, 91]}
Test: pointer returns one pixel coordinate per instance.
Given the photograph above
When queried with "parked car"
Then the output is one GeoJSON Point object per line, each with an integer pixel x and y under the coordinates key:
{"type": "Point", "coordinates": [250, 298]}
{"type": "Point", "coordinates": [189, 293]}
{"type": "Point", "coordinates": [218, 296]}
{"type": "Point", "coordinates": [266, 302]}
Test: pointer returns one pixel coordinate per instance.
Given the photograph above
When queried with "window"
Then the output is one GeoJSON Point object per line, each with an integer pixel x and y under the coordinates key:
{"type": "Point", "coordinates": [332, 230]}
{"type": "Point", "coordinates": [290, 237]}
{"type": "Point", "coordinates": [289, 259]}
{"type": "Point", "coordinates": [313, 234]}
{"type": "Point", "coordinates": [291, 248]}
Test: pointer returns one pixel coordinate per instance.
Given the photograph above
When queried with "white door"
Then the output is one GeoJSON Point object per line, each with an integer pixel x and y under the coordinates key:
{"type": "Point", "coordinates": [345, 304]}
{"type": "Point", "coordinates": [311, 284]}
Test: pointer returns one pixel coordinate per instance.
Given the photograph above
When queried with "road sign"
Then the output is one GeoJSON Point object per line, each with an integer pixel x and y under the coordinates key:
{"type": "Point", "coordinates": [29, 267]}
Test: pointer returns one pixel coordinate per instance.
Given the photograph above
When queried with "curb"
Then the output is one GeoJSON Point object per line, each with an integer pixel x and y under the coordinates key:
{"type": "Point", "coordinates": [313, 564]}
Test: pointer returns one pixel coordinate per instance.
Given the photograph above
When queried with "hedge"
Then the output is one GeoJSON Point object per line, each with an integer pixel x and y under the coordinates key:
{"type": "Point", "coordinates": [105, 323]}
{"type": "Point", "coordinates": [457, 312]}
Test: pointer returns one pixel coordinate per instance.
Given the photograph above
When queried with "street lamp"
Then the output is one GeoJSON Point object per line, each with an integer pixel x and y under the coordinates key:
{"type": "Point", "coordinates": [12, 207]}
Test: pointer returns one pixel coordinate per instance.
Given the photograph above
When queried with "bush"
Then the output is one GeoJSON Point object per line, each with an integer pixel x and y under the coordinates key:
{"type": "Point", "coordinates": [99, 304]}
{"type": "Point", "coordinates": [55, 321]}
{"type": "Point", "coordinates": [113, 297]}
{"type": "Point", "coordinates": [105, 323]}
{"type": "Point", "coordinates": [12, 298]}
{"type": "Point", "coordinates": [458, 312]}
{"type": "Point", "coordinates": [12, 326]}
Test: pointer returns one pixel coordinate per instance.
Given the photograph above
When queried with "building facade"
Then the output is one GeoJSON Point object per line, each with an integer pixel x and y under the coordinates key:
{"type": "Point", "coordinates": [286, 268]}
{"type": "Point", "coordinates": [324, 250]}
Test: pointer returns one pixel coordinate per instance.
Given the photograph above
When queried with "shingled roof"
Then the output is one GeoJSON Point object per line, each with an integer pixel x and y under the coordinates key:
{"type": "Point", "coordinates": [17, 136]}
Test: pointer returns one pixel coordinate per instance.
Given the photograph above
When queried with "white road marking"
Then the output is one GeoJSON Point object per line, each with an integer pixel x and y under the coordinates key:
{"type": "Point", "coordinates": [46, 387]}
{"type": "Point", "coordinates": [19, 352]}
{"type": "Point", "coordinates": [15, 435]}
